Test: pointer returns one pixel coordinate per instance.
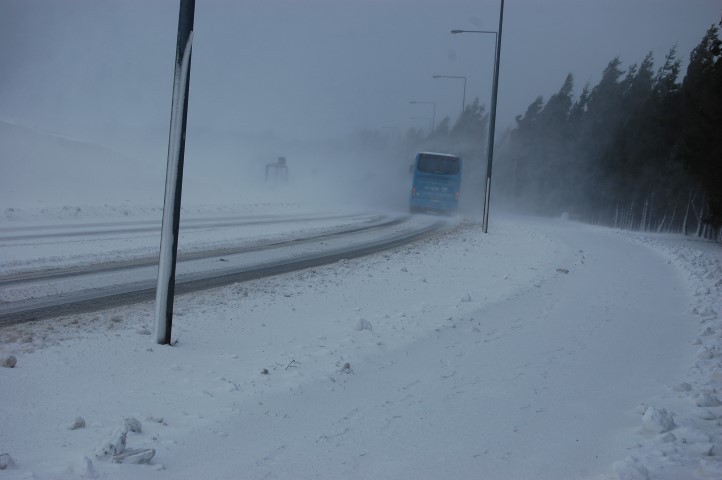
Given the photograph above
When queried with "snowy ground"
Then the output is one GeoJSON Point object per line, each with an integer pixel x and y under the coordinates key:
{"type": "Point", "coordinates": [542, 350]}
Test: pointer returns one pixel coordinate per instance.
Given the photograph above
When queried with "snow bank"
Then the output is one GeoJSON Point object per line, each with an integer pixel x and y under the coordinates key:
{"type": "Point", "coordinates": [681, 434]}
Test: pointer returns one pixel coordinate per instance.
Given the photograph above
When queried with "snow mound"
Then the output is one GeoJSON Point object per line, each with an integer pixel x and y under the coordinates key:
{"type": "Point", "coordinates": [8, 362]}
{"type": "Point", "coordinates": [657, 421]}
{"type": "Point", "coordinates": [706, 399]}
{"type": "Point", "coordinates": [87, 469]}
{"type": "Point", "coordinates": [697, 436]}
{"type": "Point", "coordinates": [114, 444]}
{"type": "Point", "coordinates": [630, 469]}
{"type": "Point", "coordinates": [133, 425]}
{"type": "Point", "coordinates": [114, 447]}
{"type": "Point", "coordinates": [6, 462]}
{"type": "Point", "coordinates": [79, 422]}
{"type": "Point", "coordinates": [363, 324]}
{"type": "Point", "coordinates": [141, 455]}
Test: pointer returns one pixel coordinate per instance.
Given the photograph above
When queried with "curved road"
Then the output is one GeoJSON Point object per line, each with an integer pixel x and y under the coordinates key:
{"type": "Point", "coordinates": [47, 294]}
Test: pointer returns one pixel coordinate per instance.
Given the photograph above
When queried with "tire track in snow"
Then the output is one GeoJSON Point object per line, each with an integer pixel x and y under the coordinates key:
{"type": "Point", "coordinates": [130, 293]}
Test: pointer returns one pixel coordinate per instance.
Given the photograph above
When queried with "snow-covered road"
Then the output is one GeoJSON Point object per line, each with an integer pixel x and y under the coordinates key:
{"type": "Point", "coordinates": [34, 247]}
{"type": "Point", "coordinates": [229, 252]}
{"type": "Point", "coordinates": [531, 352]}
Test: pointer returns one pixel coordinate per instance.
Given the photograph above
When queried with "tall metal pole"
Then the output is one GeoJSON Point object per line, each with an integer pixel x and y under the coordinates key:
{"type": "Point", "coordinates": [433, 118]}
{"type": "Point", "coordinates": [174, 175]}
{"type": "Point", "coordinates": [492, 121]}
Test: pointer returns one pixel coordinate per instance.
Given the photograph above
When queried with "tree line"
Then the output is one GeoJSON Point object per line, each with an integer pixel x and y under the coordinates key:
{"type": "Point", "coordinates": [639, 150]}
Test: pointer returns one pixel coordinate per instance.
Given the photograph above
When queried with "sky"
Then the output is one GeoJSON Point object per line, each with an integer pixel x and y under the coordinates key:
{"type": "Point", "coordinates": [317, 69]}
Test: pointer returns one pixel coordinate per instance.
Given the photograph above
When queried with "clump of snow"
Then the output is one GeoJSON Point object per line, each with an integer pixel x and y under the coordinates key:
{"type": "Point", "coordinates": [683, 387]}
{"type": "Point", "coordinates": [8, 361]}
{"type": "Point", "coordinates": [630, 469]}
{"type": "Point", "coordinates": [114, 444]}
{"type": "Point", "coordinates": [707, 399]}
{"type": "Point", "coordinates": [657, 421]}
{"type": "Point", "coordinates": [133, 425]}
{"type": "Point", "coordinates": [139, 455]}
{"type": "Point", "coordinates": [114, 447]}
{"type": "Point", "coordinates": [466, 298]}
{"type": "Point", "coordinates": [87, 469]}
{"type": "Point", "coordinates": [79, 422]}
{"type": "Point", "coordinates": [708, 415]}
{"type": "Point", "coordinates": [363, 324]}
{"type": "Point", "coordinates": [708, 311]}
{"type": "Point", "coordinates": [6, 461]}
{"type": "Point", "coordinates": [707, 331]}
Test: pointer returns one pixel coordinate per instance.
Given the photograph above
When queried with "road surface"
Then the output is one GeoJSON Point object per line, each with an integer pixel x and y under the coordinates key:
{"type": "Point", "coordinates": [34, 295]}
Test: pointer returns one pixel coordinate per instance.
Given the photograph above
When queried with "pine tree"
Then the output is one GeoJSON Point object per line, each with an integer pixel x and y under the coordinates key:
{"type": "Point", "coordinates": [555, 170]}
{"type": "Point", "coordinates": [700, 148]}
{"type": "Point", "coordinates": [637, 149]}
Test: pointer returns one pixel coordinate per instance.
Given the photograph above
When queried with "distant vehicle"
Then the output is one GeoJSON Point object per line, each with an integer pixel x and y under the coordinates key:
{"type": "Point", "coordinates": [277, 171]}
{"type": "Point", "coordinates": [437, 183]}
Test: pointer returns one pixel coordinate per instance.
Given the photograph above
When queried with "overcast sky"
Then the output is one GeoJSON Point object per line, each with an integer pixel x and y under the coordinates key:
{"type": "Point", "coordinates": [315, 68]}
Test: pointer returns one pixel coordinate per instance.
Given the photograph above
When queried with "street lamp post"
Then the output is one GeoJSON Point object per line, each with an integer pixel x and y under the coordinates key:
{"type": "Point", "coordinates": [463, 97]}
{"type": "Point", "coordinates": [492, 120]}
{"type": "Point", "coordinates": [433, 116]}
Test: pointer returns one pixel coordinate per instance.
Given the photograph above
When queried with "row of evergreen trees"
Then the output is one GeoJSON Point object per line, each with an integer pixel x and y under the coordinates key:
{"type": "Point", "coordinates": [465, 138]}
{"type": "Point", "coordinates": [638, 150]}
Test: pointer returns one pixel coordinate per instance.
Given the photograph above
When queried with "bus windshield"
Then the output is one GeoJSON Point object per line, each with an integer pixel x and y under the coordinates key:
{"type": "Point", "coordinates": [437, 164]}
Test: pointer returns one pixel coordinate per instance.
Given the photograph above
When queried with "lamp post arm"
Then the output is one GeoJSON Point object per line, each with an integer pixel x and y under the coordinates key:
{"type": "Point", "coordinates": [473, 31]}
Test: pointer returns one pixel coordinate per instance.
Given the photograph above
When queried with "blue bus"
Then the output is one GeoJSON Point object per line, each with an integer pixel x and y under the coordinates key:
{"type": "Point", "coordinates": [437, 183]}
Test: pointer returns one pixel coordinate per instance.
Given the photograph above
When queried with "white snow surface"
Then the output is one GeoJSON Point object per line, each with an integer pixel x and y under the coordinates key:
{"type": "Point", "coordinates": [542, 350]}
